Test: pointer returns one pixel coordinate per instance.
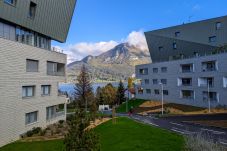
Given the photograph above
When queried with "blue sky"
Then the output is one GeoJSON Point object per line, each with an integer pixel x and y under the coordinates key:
{"type": "Point", "coordinates": [96, 21]}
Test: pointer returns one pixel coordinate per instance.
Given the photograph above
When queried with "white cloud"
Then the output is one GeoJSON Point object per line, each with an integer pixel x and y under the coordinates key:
{"type": "Point", "coordinates": [137, 39]}
{"type": "Point", "coordinates": [80, 50]}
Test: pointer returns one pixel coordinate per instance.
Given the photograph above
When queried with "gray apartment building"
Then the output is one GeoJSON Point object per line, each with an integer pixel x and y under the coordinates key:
{"type": "Point", "coordinates": [30, 68]}
{"type": "Point", "coordinates": [189, 64]}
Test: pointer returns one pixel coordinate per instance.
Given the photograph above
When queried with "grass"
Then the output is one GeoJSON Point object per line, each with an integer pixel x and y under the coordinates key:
{"type": "Point", "coordinates": [131, 103]}
{"type": "Point", "coordinates": [125, 135]}
{"type": "Point", "coordinates": [128, 135]}
{"type": "Point", "coordinates": [53, 145]}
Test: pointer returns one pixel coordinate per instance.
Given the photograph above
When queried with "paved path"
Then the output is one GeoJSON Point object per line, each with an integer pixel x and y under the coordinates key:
{"type": "Point", "coordinates": [178, 126]}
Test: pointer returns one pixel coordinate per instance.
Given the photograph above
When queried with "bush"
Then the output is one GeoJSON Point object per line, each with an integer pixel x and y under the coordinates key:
{"type": "Point", "coordinates": [35, 130]}
{"type": "Point", "coordinates": [201, 142]}
{"type": "Point", "coordinates": [61, 122]}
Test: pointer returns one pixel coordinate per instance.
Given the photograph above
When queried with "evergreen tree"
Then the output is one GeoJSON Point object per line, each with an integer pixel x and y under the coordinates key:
{"type": "Point", "coordinates": [120, 93]}
{"type": "Point", "coordinates": [79, 138]}
{"type": "Point", "coordinates": [83, 89]}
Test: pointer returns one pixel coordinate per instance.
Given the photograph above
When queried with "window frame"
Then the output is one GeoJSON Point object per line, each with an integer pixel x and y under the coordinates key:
{"type": "Point", "coordinates": [26, 91]}
{"type": "Point", "coordinates": [9, 3]}
{"type": "Point", "coordinates": [31, 122]}
{"type": "Point", "coordinates": [43, 90]}
{"type": "Point", "coordinates": [37, 61]}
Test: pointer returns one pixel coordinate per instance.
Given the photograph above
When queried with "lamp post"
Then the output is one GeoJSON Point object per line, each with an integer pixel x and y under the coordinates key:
{"type": "Point", "coordinates": [162, 96]}
{"type": "Point", "coordinates": [208, 91]}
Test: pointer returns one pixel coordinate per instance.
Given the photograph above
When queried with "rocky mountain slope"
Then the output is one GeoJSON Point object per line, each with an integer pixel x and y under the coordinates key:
{"type": "Point", "coordinates": [117, 63]}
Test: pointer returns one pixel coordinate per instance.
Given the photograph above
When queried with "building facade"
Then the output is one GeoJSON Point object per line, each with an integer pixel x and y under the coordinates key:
{"type": "Point", "coordinates": [30, 69]}
{"type": "Point", "coordinates": [189, 63]}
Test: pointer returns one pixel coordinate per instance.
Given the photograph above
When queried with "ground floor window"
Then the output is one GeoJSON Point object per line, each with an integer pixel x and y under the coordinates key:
{"type": "Point", "coordinates": [156, 91]}
{"type": "Point", "coordinates": [212, 96]}
{"type": "Point", "coordinates": [148, 91]}
{"type": "Point", "coordinates": [31, 117]}
{"type": "Point", "coordinates": [187, 94]}
{"type": "Point", "coordinates": [165, 92]}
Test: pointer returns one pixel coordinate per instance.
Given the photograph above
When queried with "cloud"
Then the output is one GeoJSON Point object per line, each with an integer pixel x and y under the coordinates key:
{"type": "Point", "coordinates": [137, 39]}
{"type": "Point", "coordinates": [80, 50]}
{"type": "Point", "coordinates": [196, 7]}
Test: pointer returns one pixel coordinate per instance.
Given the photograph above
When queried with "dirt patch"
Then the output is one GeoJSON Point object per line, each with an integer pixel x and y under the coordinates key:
{"type": "Point", "coordinates": [153, 107]}
{"type": "Point", "coordinates": [216, 123]}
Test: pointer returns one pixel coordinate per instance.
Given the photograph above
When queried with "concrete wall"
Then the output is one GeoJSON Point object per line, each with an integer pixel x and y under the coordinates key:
{"type": "Point", "coordinates": [173, 73]}
{"type": "Point", "coordinates": [13, 76]}
{"type": "Point", "coordinates": [52, 17]}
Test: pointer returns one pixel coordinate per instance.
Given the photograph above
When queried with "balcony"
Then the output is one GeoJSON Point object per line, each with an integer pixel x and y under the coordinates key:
{"type": "Point", "coordinates": [184, 81]}
{"type": "Point", "coordinates": [209, 66]}
{"type": "Point", "coordinates": [211, 96]}
{"type": "Point", "coordinates": [187, 68]}
{"type": "Point", "coordinates": [206, 81]}
{"type": "Point", "coordinates": [55, 69]}
{"type": "Point", "coordinates": [53, 112]}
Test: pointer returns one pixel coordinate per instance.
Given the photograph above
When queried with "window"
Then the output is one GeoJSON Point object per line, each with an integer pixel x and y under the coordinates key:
{"type": "Point", "coordinates": [143, 71]}
{"type": "Point", "coordinates": [164, 81]}
{"type": "Point", "coordinates": [45, 90]}
{"type": "Point", "coordinates": [165, 92]}
{"type": "Point", "coordinates": [174, 45]}
{"type": "Point", "coordinates": [155, 70]}
{"type": "Point", "coordinates": [55, 69]}
{"type": "Point", "coordinates": [31, 117]}
{"type": "Point", "coordinates": [32, 65]}
{"type": "Point", "coordinates": [148, 91]}
{"type": "Point", "coordinates": [187, 94]}
{"type": "Point", "coordinates": [32, 9]}
{"type": "Point", "coordinates": [212, 39]}
{"type": "Point", "coordinates": [186, 81]}
{"type": "Point", "coordinates": [146, 81]}
{"type": "Point", "coordinates": [140, 91]}
{"type": "Point", "coordinates": [156, 91]}
{"type": "Point", "coordinates": [155, 81]}
{"type": "Point", "coordinates": [28, 91]}
{"type": "Point", "coordinates": [164, 69]}
{"type": "Point", "coordinates": [177, 34]}
{"type": "Point", "coordinates": [186, 68]}
{"type": "Point", "coordinates": [160, 48]}
{"type": "Point", "coordinates": [212, 96]}
{"type": "Point", "coordinates": [218, 25]}
{"type": "Point", "coordinates": [209, 66]}
{"type": "Point", "coordinates": [11, 2]}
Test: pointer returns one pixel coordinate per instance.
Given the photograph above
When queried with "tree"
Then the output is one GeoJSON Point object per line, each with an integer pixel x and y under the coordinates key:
{"type": "Point", "coordinates": [120, 93]}
{"type": "Point", "coordinates": [99, 96]}
{"type": "Point", "coordinates": [130, 82]}
{"type": "Point", "coordinates": [79, 137]}
{"type": "Point", "coordinates": [109, 94]}
{"type": "Point", "coordinates": [83, 89]}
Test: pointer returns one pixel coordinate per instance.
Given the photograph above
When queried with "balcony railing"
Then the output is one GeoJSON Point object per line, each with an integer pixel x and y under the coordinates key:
{"type": "Point", "coordinates": [57, 114]}
{"type": "Point", "coordinates": [56, 49]}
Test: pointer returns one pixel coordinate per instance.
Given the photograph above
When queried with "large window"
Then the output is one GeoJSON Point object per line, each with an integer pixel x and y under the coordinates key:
{"type": "Point", "coordinates": [45, 89]}
{"type": "Point", "coordinates": [11, 2]}
{"type": "Point", "coordinates": [31, 117]}
{"type": "Point", "coordinates": [32, 9]}
{"type": "Point", "coordinates": [7, 31]}
{"type": "Point", "coordinates": [155, 70]}
{"type": "Point", "coordinates": [55, 69]}
{"type": "Point", "coordinates": [146, 81]}
{"type": "Point", "coordinates": [28, 91]}
{"type": "Point", "coordinates": [164, 81]}
{"type": "Point", "coordinates": [143, 71]}
{"type": "Point", "coordinates": [218, 25]}
{"type": "Point", "coordinates": [32, 65]}
{"type": "Point", "coordinates": [187, 94]}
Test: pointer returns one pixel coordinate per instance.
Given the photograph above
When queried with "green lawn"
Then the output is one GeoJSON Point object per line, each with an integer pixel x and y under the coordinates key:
{"type": "Point", "coordinates": [125, 135]}
{"type": "Point", "coordinates": [54, 145]}
{"type": "Point", "coordinates": [131, 103]}
{"type": "Point", "coordinates": [128, 135]}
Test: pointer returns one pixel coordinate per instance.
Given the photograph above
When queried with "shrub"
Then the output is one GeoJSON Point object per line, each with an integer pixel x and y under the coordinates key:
{"type": "Point", "coordinates": [61, 121]}
{"type": "Point", "coordinates": [201, 142]}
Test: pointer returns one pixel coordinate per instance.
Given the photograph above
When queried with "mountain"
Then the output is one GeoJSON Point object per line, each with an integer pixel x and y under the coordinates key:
{"type": "Point", "coordinates": [115, 64]}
